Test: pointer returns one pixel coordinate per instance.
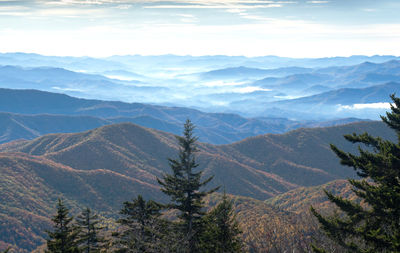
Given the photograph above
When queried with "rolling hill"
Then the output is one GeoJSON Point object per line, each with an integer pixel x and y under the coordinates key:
{"type": "Point", "coordinates": [30, 186]}
{"type": "Point", "coordinates": [300, 199]}
{"type": "Point", "coordinates": [258, 167]}
{"type": "Point", "coordinates": [19, 126]}
{"type": "Point", "coordinates": [31, 113]}
{"type": "Point", "coordinates": [348, 96]}
{"type": "Point", "coordinates": [237, 73]}
{"type": "Point", "coordinates": [215, 128]}
{"type": "Point", "coordinates": [103, 167]}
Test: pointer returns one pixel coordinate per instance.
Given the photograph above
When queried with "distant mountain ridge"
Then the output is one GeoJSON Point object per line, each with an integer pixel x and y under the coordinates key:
{"type": "Point", "coordinates": [69, 114]}
{"type": "Point", "coordinates": [123, 61]}
{"type": "Point", "coordinates": [245, 72]}
{"type": "Point", "coordinates": [249, 86]}
{"type": "Point", "coordinates": [349, 96]}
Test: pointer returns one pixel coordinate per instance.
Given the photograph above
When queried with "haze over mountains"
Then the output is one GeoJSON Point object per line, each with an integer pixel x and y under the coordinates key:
{"type": "Point", "coordinates": [67, 129]}
{"type": "Point", "coordinates": [32, 113]}
{"type": "Point", "coordinates": [251, 87]}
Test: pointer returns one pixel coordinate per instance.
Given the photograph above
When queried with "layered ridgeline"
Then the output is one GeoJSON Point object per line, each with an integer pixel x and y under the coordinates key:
{"type": "Point", "coordinates": [31, 113]}
{"type": "Point", "coordinates": [103, 167]}
{"type": "Point", "coordinates": [227, 86]}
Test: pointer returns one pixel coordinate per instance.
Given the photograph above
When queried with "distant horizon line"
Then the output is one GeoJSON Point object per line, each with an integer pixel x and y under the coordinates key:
{"type": "Point", "coordinates": [205, 55]}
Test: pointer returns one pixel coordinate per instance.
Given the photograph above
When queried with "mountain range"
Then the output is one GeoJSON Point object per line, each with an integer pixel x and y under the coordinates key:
{"type": "Point", "coordinates": [32, 113]}
{"type": "Point", "coordinates": [250, 87]}
{"type": "Point", "coordinates": [103, 167]}
{"type": "Point", "coordinates": [90, 149]}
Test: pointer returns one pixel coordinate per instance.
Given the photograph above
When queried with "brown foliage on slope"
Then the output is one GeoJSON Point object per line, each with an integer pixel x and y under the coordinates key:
{"type": "Point", "coordinates": [106, 166]}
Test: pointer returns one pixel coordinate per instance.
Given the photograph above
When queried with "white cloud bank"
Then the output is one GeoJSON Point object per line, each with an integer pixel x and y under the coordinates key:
{"type": "Point", "coordinates": [380, 105]}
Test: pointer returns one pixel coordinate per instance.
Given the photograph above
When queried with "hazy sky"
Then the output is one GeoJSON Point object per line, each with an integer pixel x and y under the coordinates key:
{"type": "Point", "coordinates": [295, 28]}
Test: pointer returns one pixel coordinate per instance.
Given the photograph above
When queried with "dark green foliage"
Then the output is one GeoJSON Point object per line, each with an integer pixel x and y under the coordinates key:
{"type": "Point", "coordinates": [183, 186]}
{"type": "Point", "coordinates": [89, 239]}
{"type": "Point", "coordinates": [221, 230]}
{"type": "Point", "coordinates": [6, 250]}
{"type": "Point", "coordinates": [63, 238]}
{"type": "Point", "coordinates": [374, 224]}
{"type": "Point", "coordinates": [140, 230]}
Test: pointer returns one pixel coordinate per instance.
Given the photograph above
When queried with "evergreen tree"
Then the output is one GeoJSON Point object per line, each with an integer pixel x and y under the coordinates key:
{"type": "Point", "coordinates": [183, 186]}
{"type": "Point", "coordinates": [374, 224]}
{"type": "Point", "coordinates": [140, 221]}
{"type": "Point", "coordinates": [63, 237]}
{"type": "Point", "coordinates": [221, 229]}
{"type": "Point", "coordinates": [88, 238]}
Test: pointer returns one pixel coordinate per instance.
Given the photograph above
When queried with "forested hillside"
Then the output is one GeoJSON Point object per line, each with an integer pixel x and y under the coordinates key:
{"type": "Point", "coordinates": [103, 167]}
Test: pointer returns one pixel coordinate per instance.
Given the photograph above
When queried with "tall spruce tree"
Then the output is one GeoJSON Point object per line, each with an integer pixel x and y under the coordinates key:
{"type": "Point", "coordinates": [184, 187]}
{"type": "Point", "coordinates": [374, 224]}
{"type": "Point", "coordinates": [221, 232]}
{"type": "Point", "coordinates": [89, 240]}
{"type": "Point", "coordinates": [63, 237]}
{"type": "Point", "coordinates": [139, 226]}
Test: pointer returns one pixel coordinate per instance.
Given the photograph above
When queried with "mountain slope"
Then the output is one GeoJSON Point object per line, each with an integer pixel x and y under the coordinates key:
{"type": "Point", "coordinates": [111, 164]}
{"type": "Point", "coordinates": [258, 167]}
{"type": "Point", "coordinates": [348, 96]}
{"type": "Point", "coordinates": [142, 153]}
{"type": "Point", "coordinates": [30, 186]}
{"type": "Point", "coordinates": [237, 73]}
{"type": "Point", "coordinates": [300, 199]}
{"type": "Point", "coordinates": [18, 126]}
{"type": "Point", "coordinates": [216, 128]}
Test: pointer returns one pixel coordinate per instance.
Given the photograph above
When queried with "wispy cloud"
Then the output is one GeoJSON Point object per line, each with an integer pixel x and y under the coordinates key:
{"type": "Point", "coordinates": [67, 12]}
{"type": "Point", "coordinates": [194, 6]}
{"type": "Point", "coordinates": [123, 6]}
{"type": "Point", "coordinates": [249, 89]}
{"type": "Point", "coordinates": [197, 27]}
{"type": "Point", "coordinates": [14, 10]}
{"type": "Point", "coordinates": [216, 4]}
{"type": "Point", "coordinates": [83, 2]}
{"type": "Point", "coordinates": [317, 2]}
{"type": "Point", "coordinates": [369, 10]}
{"type": "Point", "coordinates": [380, 105]}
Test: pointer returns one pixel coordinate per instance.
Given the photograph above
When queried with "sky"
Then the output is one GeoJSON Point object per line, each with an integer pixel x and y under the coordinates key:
{"type": "Point", "coordinates": [291, 28]}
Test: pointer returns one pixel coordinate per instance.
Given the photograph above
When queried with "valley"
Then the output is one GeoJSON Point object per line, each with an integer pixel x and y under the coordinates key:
{"type": "Point", "coordinates": [99, 131]}
{"type": "Point", "coordinates": [111, 164]}
{"type": "Point", "coordinates": [251, 87]}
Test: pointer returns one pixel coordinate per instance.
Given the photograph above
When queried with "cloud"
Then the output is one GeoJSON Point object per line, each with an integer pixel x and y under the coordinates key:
{"type": "Point", "coordinates": [237, 27]}
{"type": "Point", "coordinates": [67, 89]}
{"type": "Point", "coordinates": [123, 6]}
{"type": "Point", "coordinates": [68, 13]}
{"type": "Point", "coordinates": [84, 2]}
{"type": "Point", "coordinates": [194, 6]}
{"type": "Point", "coordinates": [317, 2]}
{"type": "Point", "coordinates": [249, 89]}
{"type": "Point", "coordinates": [185, 15]}
{"type": "Point", "coordinates": [380, 105]}
{"type": "Point", "coordinates": [236, 11]}
{"type": "Point", "coordinates": [235, 5]}
{"type": "Point", "coordinates": [369, 10]}
{"type": "Point", "coordinates": [14, 10]}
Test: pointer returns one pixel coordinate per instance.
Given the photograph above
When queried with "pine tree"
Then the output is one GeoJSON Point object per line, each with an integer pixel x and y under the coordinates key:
{"type": "Point", "coordinates": [63, 237]}
{"type": "Point", "coordinates": [89, 239]}
{"type": "Point", "coordinates": [183, 186]}
{"type": "Point", "coordinates": [374, 224]}
{"type": "Point", "coordinates": [140, 221]}
{"type": "Point", "coordinates": [221, 230]}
